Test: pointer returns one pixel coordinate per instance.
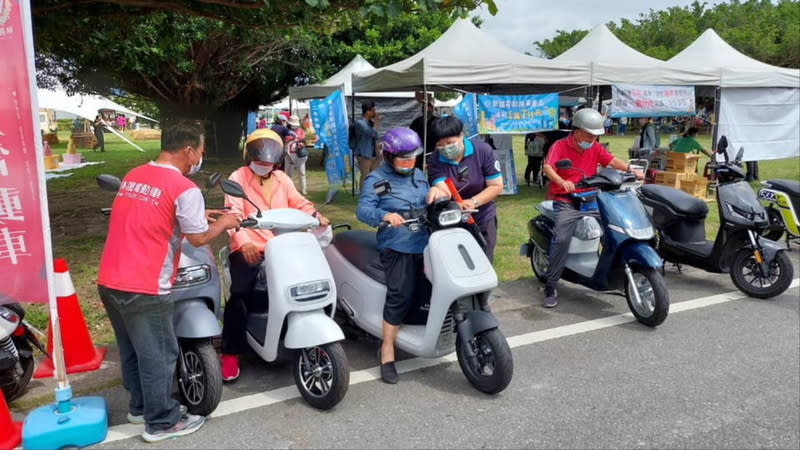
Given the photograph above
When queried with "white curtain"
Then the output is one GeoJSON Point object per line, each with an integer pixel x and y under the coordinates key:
{"type": "Point", "coordinates": [764, 121]}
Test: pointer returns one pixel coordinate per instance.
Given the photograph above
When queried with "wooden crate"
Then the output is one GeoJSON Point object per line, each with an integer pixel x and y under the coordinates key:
{"type": "Point", "coordinates": [671, 179]}
{"type": "Point", "coordinates": [682, 162]}
{"type": "Point", "coordinates": [695, 188]}
{"type": "Point", "coordinates": [83, 140]}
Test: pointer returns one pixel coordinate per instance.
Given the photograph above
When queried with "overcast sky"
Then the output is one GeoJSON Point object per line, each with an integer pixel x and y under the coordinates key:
{"type": "Point", "coordinates": [519, 23]}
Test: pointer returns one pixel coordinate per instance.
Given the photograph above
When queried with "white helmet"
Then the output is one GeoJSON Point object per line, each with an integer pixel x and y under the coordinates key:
{"type": "Point", "coordinates": [589, 120]}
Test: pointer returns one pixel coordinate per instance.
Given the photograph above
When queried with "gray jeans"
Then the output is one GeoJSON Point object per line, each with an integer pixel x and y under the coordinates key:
{"type": "Point", "coordinates": [148, 350]}
{"type": "Point", "coordinates": [567, 217]}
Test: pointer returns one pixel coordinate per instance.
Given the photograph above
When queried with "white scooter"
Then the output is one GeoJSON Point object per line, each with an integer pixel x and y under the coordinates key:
{"type": "Point", "coordinates": [302, 302]}
{"type": "Point", "coordinates": [461, 276]}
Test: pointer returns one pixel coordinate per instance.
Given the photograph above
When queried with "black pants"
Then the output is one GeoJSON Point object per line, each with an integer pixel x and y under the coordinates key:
{"type": "Point", "coordinates": [752, 170]}
{"type": "Point", "coordinates": [243, 300]}
{"type": "Point", "coordinates": [534, 163]}
{"type": "Point", "coordinates": [407, 289]}
{"type": "Point", "coordinates": [489, 232]}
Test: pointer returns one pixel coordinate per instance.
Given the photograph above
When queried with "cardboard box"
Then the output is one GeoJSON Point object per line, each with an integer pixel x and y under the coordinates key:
{"type": "Point", "coordinates": [695, 188]}
{"type": "Point", "coordinates": [682, 162]}
{"type": "Point", "coordinates": [671, 179]}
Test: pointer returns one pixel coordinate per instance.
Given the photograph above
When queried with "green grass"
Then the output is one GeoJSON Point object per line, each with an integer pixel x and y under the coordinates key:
{"type": "Point", "coordinates": [79, 229]}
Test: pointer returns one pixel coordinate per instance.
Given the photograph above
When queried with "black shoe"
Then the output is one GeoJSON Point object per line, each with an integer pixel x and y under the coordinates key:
{"type": "Point", "coordinates": [388, 371]}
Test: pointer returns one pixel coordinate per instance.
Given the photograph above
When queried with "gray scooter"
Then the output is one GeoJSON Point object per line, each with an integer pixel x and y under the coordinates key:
{"type": "Point", "coordinates": [196, 318]}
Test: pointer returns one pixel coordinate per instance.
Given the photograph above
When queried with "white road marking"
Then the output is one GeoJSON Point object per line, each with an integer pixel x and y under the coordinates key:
{"type": "Point", "coordinates": [261, 399]}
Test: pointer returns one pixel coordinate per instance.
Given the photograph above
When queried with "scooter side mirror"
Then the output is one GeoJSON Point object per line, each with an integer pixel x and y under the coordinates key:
{"type": "Point", "coordinates": [233, 189]}
{"type": "Point", "coordinates": [739, 156]}
{"type": "Point", "coordinates": [722, 144]}
{"type": "Point", "coordinates": [463, 173]}
{"type": "Point", "coordinates": [213, 180]}
{"type": "Point", "coordinates": [382, 188]}
{"type": "Point", "coordinates": [564, 164]}
{"type": "Point", "coordinates": [108, 182]}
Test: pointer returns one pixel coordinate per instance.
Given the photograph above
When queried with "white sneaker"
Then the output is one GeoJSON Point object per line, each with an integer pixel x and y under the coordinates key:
{"type": "Point", "coordinates": [187, 424]}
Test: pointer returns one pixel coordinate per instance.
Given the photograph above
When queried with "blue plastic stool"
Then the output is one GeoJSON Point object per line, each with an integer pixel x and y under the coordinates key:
{"type": "Point", "coordinates": [70, 421]}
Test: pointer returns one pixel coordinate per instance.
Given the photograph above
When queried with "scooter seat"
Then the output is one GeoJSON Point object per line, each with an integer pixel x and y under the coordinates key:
{"type": "Point", "coordinates": [789, 186]}
{"type": "Point", "coordinates": [679, 201]}
{"type": "Point", "coordinates": [360, 248]}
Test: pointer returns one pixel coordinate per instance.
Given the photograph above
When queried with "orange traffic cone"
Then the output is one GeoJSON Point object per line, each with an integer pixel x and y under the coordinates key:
{"type": "Point", "coordinates": [10, 431]}
{"type": "Point", "coordinates": [80, 355]}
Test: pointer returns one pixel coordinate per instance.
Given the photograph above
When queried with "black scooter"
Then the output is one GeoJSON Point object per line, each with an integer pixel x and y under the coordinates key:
{"type": "Point", "coordinates": [758, 266]}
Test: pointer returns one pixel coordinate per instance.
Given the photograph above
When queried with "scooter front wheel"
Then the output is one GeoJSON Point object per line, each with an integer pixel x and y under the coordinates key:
{"type": "Point", "coordinates": [200, 387]}
{"type": "Point", "coordinates": [322, 374]}
{"type": "Point", "coordinates": [748, 277]}
{"type": "Point", "coordinates": [651, 305]}
{"type": "Point", "coordinates": [492, 367]}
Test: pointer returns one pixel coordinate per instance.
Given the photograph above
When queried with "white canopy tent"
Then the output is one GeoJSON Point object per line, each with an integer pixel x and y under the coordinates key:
{"type": "Point", "coordinates": [612, 61]}
{"type": "Point", "coordinates": [466, 58]}
{"type": "Point", "coordinates": [81, 105]}
{"type": "Point", "coordinates": [342, 80]}
{"type": "Point", "coordinates": [732, 68]}
{"type": "Point", "coordinates": [759, 104]}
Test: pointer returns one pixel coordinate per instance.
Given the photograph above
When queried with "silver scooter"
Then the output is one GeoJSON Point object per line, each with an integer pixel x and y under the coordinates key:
{"type": "Point", "coordinates": [196, 292]}
{"type": "Point", "coordinates": [462, 277]}
{"type": "Point", "coordinates": [302, 302]}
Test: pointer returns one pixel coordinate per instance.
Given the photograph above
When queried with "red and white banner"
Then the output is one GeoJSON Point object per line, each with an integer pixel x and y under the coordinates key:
{"type": "Point", "coordinates": [25, 254]}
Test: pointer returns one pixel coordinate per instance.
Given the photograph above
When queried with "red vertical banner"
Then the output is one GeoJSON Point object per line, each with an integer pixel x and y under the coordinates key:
{"type": "Point", "coordinates": [24, 249]}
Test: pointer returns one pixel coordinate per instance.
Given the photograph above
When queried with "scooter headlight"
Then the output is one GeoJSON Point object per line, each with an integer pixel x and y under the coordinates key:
{"type": "Point", "coordinates": [310, 291]}
{"type": "Point", "coordinates": [641, 233]}
{"type": "Point", "coordinates": [192, 276]}
{"type": "Point", "coordinates": [449, 217]}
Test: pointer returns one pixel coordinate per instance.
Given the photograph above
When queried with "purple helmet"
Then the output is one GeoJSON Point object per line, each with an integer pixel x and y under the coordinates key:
{"type": "Point", "coordinates": [401, 140]}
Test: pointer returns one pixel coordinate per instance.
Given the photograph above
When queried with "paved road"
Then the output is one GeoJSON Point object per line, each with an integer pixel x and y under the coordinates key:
{"type": "Point", "coordinates": [723, 371]}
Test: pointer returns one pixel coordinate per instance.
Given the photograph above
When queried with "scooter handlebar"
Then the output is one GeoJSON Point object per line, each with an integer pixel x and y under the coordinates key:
{"type": "Point", "coordinates": [248, 223]}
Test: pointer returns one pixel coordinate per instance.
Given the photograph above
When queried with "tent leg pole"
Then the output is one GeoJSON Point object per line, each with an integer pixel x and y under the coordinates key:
{"type": "Point", "coordinates": [714, 128]}
{"type": "Point", "coordinates": [425, 128]}
{"type": "Point", "coordinates": [352, 150]}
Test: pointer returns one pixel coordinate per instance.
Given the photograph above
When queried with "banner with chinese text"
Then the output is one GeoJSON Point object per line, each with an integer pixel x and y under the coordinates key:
{"type": "Point", "coordinates": [631, 100]}
{"type": "Point", "coordinates": [22, 237]}
{"type": "Point", "coordinates": [329, 117]}
{"type": "Point", "coordinates": [517, 113]}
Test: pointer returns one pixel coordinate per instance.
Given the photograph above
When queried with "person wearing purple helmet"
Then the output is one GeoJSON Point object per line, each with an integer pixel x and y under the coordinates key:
{"type": "Point", "coordinates": [400, 249]}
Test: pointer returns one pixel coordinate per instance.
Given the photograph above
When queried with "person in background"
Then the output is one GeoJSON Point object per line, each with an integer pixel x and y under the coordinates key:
{"type": "Point", "coordinates": [484, 183]}
{"type": "Point", "coordinates": [296, 153]}
{"type": "Point", "coordinates": [366, 139]}
{"type": "Point", "coordinates": [622, 126]}
{"type": "Point", "coordinates": [268, 188]}
{"type": "Point", "coordinates": [608, 124]}
{"type": "Point", "coordinates": [648, 137]}
{"type": "Point", "coordinates": [419, 127]}
{"type": "Point", "coordinates": [280, 126]}
{"type": "Point", "coordinates": [122, 122]}
{"type": "Point", "coordinates": [262, 123]}
{"type": "Point", "coordinates": [400, 248]}
{"type": "Point", "coordinates": [687, 143]}
{"type": "Point", "coordinates": [534, 149]}
{"type": "Point", "coordinates": [585, 152]}
{"type": "Point", "coordinates": [157, 206]}
{"type": "Point", "coordinates": [99, 130]}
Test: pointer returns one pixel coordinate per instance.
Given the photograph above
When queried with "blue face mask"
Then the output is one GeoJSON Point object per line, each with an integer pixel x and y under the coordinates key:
{"type": "Point", "coordinates": [585, 145]}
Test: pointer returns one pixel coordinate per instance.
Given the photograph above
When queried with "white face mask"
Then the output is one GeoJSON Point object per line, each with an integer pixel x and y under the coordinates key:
{"type": "Point", "coordinates": [261, 171]}
{"type": "Point", "coordinates": [196, 167]}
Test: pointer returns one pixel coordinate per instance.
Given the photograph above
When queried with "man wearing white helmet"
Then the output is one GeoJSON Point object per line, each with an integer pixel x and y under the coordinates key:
{"type": "Point", "coordinates": [585, 153]}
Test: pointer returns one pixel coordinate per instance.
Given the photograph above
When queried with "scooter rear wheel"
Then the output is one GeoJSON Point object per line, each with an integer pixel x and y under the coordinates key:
{"type": "Point", "coordinates": [202, 390]}
{"type": "Point", "coordinates": [652, 307]}
{"type": "Point", "coordinates": [493, 368]}
{"type": "Point", "coordinates": [322, 374]}
{"type": "Point", "coordinates": [539, 262]}
{"type": "Point", "coordinates": [748, 278]}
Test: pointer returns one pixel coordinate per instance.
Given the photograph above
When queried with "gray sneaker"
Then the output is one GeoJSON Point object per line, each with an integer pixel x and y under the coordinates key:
{"type": "Point", "coordinates": [550, 298]}
{"type": "Point", "coordinates": [139, 420]}
{"type": "Point", "coordinates": [187, 424]}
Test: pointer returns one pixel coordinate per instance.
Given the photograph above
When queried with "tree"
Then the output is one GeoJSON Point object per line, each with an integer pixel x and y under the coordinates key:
{"type": "Point", "coordinates": [207, 59]}
{"type": "Point", "coordinates": [761, 29]}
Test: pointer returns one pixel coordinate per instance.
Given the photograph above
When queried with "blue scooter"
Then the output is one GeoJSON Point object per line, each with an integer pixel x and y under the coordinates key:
{"type": "Point", "coordinates": [612, 254]}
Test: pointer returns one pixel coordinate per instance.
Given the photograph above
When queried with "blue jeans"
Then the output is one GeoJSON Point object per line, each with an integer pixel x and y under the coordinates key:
{"type": "Point", "coordinates": [148, 350]}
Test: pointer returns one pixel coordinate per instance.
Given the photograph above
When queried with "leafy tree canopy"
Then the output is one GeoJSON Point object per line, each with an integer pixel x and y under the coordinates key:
{"type": "Point", "coordinates": [761, 29]}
